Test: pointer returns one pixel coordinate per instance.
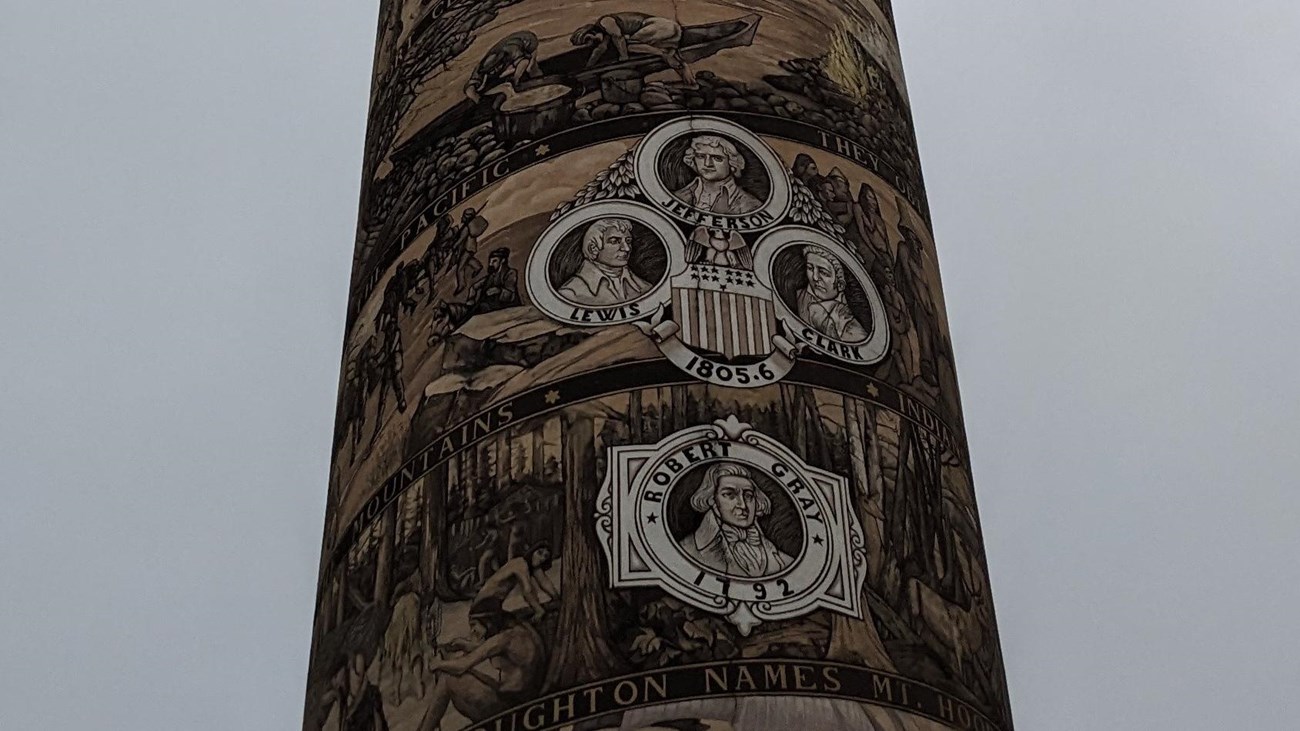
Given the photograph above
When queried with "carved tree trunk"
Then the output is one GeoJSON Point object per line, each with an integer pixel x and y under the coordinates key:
{"type": "Point", "coordinates": [798, 412]}
{"type": "Point", "coordinates": [857, 445]}
{"type": "Point", "coordinates": [583, 652]}
{"type": "Point", "coordinates": [429, 533]}
{"type": "Point", "coordinates": [503, 459]}
{"type": "Point", "coordinates": [680, 418]}
{"type": "Point", "coordinates": [635, 430]}
{"type": "Point", "coordinates": [539, 452]}
{"type": "Point", "coordinates": [819, 447]}
{"type": "Point", "coordinates": [434, 553]}
{"type": "Point", "coordinates": [384, 558]}
{"type": "Point", "coordinates": [856, 640]}
{"type": "Point", "coordinates": [873, 509]}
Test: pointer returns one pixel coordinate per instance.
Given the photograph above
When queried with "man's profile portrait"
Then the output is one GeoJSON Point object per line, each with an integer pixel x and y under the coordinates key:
{"type": "Point", "coordinates": [716, 165]}
{"type": "Point", "coordinates": [729, 539]}
{"type": "Point", "coordinates": [821, 303]}
{"type": "Point", "coordinates": [604, 277]}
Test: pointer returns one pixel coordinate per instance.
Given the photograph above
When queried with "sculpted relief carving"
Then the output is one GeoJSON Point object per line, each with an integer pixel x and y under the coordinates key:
{"type": "Point", "coordinates": [648, 417]}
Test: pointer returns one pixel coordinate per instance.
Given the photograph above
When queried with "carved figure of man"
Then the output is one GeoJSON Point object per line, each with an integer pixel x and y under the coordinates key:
{"type": "Point", "coordinates": [716, 163]}
{"type": "Point", "coordinates": [509, 61]}
{"type": "Point", "coordinates": [517, 539]}
{"type": "Point", "coordinates": [465, 247]}
{"type": "Point", "coordinates": [805, 170]}
{"type": "Point", "coordinates": [358, 379]}
{"type": "Point", "coordinates": [502, 665]}
{"type": "Point", "coordinates": [877, 236]}
{"type": "Point", "coordinates": [729, 538]}
{"type": "Point", "coordinates": [909, 270]}
{"type": "Point", "coordinates": [636, 33]}
{"type": "Point", "coordinates": [525, 573]}
{"type": "Point", "coordinates": [904, 355]}
{"type": "Point", "coordinates": [386, 346]}
{"type": "Point", "coordinates": [848, 211]}
{"type": "Point", "coordinates": [398, 296]}
{"type": "Point", "coordinates": [437, 255]}
{"type": "Point", "coordinates": [499, 288]}
{"type": "Point", "coordinates": [604, 277]}
{"type": "Point", "coordinates": [821, 302]}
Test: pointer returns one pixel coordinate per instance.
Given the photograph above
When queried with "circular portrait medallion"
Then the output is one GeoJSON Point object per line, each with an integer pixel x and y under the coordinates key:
{"type": "Point", "coordinates": [730, 526]}
{"type": "Point", "coordinates": [604, 264]}
{"type": "Point", "coordinates": [735, 519]}
{"type": "Point", "coordinates": [731, 521]}
{"type": "Point", "coordinates": [710, 172]}
{"type": "Point", "coordinates": [824, 296]}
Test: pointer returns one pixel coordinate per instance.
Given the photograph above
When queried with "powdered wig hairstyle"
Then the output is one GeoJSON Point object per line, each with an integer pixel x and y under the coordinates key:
{"type": "Point", "coordinates": [702, 500]}
{"type": "Point", "coordinates": [594, 238]}
{"type": "Point", "coordinates": [733, 155]}
{"type": "Point", "coordinates": [812, 250]}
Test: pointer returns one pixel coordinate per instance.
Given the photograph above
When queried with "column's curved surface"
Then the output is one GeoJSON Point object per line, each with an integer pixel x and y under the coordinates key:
{"type": "Point", "coordinates": [648, 416]}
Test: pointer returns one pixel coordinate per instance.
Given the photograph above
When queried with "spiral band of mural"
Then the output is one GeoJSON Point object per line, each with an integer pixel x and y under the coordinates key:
{"type": "Point", "coordinates": [648, 417]}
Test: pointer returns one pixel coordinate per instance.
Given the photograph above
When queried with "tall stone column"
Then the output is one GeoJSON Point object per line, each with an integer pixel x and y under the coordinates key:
{"type": "Point", "coordinates": [648, 416]}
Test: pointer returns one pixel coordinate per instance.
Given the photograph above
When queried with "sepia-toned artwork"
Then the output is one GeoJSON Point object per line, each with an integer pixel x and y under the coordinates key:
{"type": "Point", "coordinates": [647, 415]}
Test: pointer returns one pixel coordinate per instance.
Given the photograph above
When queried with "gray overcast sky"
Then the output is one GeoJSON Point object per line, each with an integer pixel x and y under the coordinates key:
{"type": "Point", "coordinates": [1116, 195]}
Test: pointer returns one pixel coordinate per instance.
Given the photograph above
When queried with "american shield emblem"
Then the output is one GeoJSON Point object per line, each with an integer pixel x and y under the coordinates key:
{"type": "Point", "coordinates": [724, 310]}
